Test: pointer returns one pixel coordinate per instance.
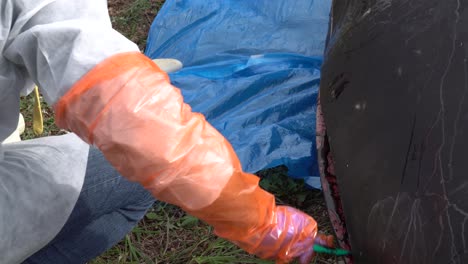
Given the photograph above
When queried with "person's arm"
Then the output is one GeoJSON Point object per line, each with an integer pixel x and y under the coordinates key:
{"type": "Point", "coordinates": [58, 41]}
{"type": "Point", "coordinates": [126, 106]}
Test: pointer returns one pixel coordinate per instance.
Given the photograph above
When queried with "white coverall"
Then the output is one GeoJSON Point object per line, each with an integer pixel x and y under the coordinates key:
{"type": "Point", "coordinates": [52, 43]}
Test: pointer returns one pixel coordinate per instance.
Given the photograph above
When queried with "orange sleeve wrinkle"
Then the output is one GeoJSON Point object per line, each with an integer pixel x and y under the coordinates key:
{"type": "Point", "coordinates": [127, 107]}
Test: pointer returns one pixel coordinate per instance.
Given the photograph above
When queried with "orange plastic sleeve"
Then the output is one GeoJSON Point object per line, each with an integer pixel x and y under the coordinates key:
{"type": "Point", "coordinates": [127, 107]}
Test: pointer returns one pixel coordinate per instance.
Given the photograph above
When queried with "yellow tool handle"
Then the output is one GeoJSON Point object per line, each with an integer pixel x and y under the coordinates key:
{"type": "Point", "coordinates": [38, 121]}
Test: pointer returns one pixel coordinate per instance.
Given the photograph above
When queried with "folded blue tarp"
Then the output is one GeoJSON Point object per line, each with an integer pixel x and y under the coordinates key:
{"type": "Point", "coordinates": [253, 69]}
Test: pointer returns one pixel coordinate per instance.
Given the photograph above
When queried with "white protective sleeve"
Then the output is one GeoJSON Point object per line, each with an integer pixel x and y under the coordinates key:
{"type": "Point", "coordinates": [58, 41]}
{"type": "Point", "coordinates": [53, 43]}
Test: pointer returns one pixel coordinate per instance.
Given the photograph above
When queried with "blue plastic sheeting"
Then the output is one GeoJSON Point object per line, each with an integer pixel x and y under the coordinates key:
{"type": "Point", "coordinates": [253, 69]}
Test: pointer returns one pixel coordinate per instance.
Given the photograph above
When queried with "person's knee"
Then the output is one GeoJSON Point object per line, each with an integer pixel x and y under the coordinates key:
{"type": "Point", "coordinates": [140, 202]}
{"type": "Point", "coordinates": [147, 199]}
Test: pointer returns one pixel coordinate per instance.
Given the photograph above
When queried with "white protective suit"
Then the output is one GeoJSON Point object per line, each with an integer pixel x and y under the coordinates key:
{"type": "Point", "coordinates": [52, 43]}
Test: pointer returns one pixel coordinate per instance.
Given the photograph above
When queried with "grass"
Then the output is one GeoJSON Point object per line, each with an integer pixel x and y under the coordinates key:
{"type": "Point", "coordinates": [167, 234]}
{"type": "Point", "coordinates": [134, 18]}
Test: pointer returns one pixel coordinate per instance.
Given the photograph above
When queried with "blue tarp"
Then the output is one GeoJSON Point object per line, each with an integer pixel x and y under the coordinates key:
{"type": "Point", "coordinates": [253, 69]}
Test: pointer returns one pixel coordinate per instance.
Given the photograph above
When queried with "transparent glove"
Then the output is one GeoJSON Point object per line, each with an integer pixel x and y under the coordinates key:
{"type": "Point", "coordinates": [292, 236]}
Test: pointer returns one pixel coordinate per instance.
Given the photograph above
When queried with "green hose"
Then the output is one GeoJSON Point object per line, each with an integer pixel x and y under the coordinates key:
{"type": "Point", "coordinates": [331, 251]}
